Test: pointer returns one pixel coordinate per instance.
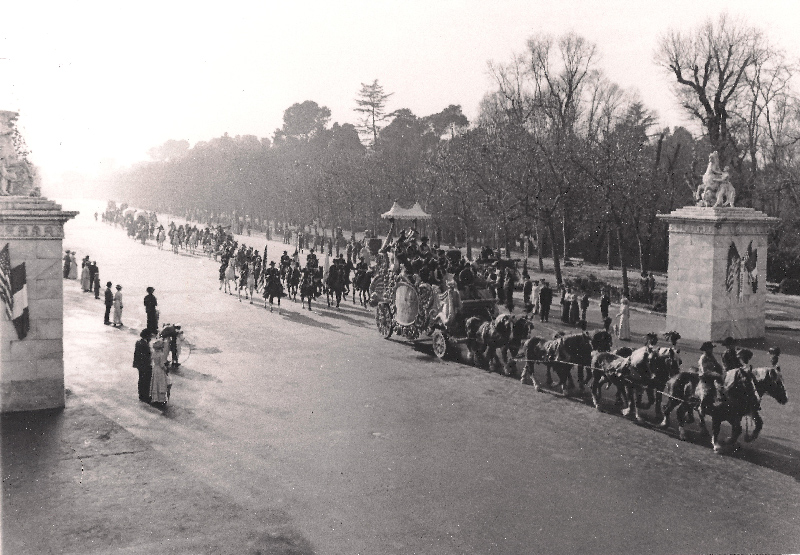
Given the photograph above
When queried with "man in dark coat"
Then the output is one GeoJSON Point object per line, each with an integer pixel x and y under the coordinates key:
{"type": "Point", "coordinates": [545, 300]}
{"type": "Point", "coordinates": [150, 304]}
{"type": "Point", "coordinates": [142, 361]}
{"type": "Point", "coordinates": [96, 280]}
{"type": "Point", "coordinates": [605, 302]}
{"type": "Point", "coordinates": [67, 264]}
{"type": "Point", "coordinates": [170, 334]}
{"type": "Point", "coordinates": [109, 304]}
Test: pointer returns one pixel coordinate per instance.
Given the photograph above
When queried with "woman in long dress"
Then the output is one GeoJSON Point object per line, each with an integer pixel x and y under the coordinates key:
{"type": "Point", "coordinates": [73, 266]}
{"type": "Point", "coordinates": [118, 307]}
{"type": "Point", "coordinates": [159, 392]}
{"type": "Point", "coordinates": [85, 283]}
{"type": "Point", "coordinates": [623, 326]}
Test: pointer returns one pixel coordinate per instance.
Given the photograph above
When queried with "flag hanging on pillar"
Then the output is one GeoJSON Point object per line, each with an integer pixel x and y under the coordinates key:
{"type": "Point", "coordinates": [14, 293]}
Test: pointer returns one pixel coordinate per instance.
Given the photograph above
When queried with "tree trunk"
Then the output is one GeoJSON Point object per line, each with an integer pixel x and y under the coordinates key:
{"type": "Point", "coordinates": [564, 231]}
{"type": "Point", "coordinates": [609, 259]}
{"type": "Point", "coordinates": [539, 245]}
{"type": "Point", "coordinates": [469, 241]}
{"type": "Point", "coordinates": [556, 262]}
{"type": "Point", "coordinates": [625, 286]}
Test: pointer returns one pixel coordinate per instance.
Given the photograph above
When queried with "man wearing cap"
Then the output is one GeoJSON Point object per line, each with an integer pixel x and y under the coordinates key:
{"type": "Point", "coordinates": [150, 304]}
{"type": "Point", "coordinates": [730, 358]}
{"type": "Point", "coordinates": [775, 353]}
{"type": "Point", "coordinates": [142, 361]}
{"type": "Point", "coordinates": [109, 304]}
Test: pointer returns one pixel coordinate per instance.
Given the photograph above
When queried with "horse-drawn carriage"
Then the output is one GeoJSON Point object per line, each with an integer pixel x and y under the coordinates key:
{"type": "Point", "coordinates": [407, 307]}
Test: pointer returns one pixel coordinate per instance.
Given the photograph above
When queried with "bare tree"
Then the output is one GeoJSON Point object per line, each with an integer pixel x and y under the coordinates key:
{"type": "Point", "coordinates": [712, 66]}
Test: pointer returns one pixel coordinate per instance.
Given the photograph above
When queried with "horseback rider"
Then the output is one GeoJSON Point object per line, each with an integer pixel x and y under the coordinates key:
{"type": "Point", "coordinates": [775, 353]}
{"type": "Point", "coordinates": [730, 358]}
{"type": "Point", "coordinates": [311, 260]}
{"type": "Point", "coordinates": [710, 372]}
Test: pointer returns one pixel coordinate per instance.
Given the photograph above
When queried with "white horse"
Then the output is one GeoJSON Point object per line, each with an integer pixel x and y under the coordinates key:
{"type": "Point", "coordinates": [160, 238]}
{"type": "Point", "coordinates": [716, 185]}
{"type": "Point", "coordinates": [230, 276]}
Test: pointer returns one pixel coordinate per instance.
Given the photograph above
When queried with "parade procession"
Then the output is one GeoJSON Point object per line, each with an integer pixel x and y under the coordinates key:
{"type": "Point", "coordinates": [400, 278]}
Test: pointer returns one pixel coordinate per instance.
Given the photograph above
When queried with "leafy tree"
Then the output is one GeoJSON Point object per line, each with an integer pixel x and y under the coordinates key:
{"type": "Point", "coordinates": [303, 121]}
{"type": "Point", "coordinates": [170, 150]}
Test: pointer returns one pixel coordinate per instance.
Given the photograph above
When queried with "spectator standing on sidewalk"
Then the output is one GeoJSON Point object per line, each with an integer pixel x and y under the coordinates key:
{"type": "Point", "coordinates": [584, 305]}
{"type": "Point", "coordinates": [150, 304]}
{"type": "Point", "coordinates": [605, 302]}
{"type": "Point", "coordinates": [527, 292]}
{"type": "Point", "coordinates": [118, 307]}
{"type": "Point", "coordinates": [142, 361]}
{"type": "Point", "coordinates": [96, 282]}
{"type": "Point", "coordinates": [623, 325]}
{"type": "Point", "coordinates": [67, 264]}
{"type": "Point", "coordinates": [508, 288]}
{"type": "Point", "coordinates": [109, 304]}
{"type": "Point", "coordinates": [545, 300]}
{"type": "Point", "coordinates": [73, 266]}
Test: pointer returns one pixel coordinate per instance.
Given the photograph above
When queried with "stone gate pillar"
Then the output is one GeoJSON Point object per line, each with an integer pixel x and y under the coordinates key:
{"type": "Point", "coordinates": [32, 369]}
{"type": "Point", "coordinates": [717, 272]}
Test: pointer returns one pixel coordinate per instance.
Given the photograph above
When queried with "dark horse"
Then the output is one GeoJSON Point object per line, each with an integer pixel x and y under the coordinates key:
{"type": "Point", "coordinates": [361, 282]}
{"type": "Point", "coordinates": [730, 402]}
{"type": "Point", "coordinates": [335, 283]}
{"type": "Point", "coordinates": [308, 288]}
{"type": "Point", "coordinates": [491, 340]}
{"type": "Point", "coordinates": [560, 354]}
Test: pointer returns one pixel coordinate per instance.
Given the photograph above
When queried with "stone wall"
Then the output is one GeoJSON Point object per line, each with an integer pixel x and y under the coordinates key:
{"type": "Point", "coordinates": [32, 369]}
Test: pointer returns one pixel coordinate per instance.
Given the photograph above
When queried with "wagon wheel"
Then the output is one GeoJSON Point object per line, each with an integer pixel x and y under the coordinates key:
{"type": "Point", "coordinates": [440, 346]}
{"type": "Point", "coordinates": [383, 319]}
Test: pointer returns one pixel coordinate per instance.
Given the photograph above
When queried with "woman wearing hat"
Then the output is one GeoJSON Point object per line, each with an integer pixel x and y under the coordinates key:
{"type": "Point", "coordinates": [158, 380]}
{"type": "Point", "coordinates": [118, 307]}
{"type": "Point", "coordinates": [623, 325]}
{"type": "Point", "coordinates": [73, 266]}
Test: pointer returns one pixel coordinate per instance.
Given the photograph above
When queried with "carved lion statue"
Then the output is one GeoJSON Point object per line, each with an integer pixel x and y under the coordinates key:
{"type": "Point", "coordinates": [716, 188]}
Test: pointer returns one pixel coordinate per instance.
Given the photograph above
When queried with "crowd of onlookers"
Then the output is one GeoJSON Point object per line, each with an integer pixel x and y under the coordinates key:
{"type": "Point", "coordinates": [153, 361]}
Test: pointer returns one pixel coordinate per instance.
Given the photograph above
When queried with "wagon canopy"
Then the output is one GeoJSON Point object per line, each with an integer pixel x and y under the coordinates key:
{"type": "Point", "coordinates": [414, 213]}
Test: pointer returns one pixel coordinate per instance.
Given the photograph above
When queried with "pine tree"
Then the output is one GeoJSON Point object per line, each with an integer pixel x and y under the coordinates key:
{"type": "Point", "coordinates": [371, 102]}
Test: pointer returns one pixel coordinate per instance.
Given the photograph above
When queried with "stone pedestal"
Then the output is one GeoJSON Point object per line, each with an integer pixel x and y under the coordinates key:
{"type": "Point", "coordinates": [717, 272]}
{"type": "Point", "coordinates": [32, 369]}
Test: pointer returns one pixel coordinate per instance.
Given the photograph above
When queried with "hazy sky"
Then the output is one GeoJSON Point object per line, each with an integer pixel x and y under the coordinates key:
{"type": "Point", "coordinates": [100, 83]}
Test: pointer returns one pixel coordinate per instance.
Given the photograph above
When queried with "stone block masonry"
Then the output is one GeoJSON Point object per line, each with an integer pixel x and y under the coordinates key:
{"type": "Point", "coordinates": [717, 272]}
{"type": "Point", "coordinates": [32, 369]}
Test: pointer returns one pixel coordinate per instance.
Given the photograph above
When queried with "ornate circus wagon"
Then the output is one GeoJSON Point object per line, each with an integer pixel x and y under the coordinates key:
{"type": "Point", "coordinates": [411, 309]}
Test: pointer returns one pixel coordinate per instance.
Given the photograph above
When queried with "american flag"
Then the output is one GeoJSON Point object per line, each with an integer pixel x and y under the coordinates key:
{"type": "Point", "coordinates": [5, 282]}
{"type": "Point", "coordinates": [14, 293]}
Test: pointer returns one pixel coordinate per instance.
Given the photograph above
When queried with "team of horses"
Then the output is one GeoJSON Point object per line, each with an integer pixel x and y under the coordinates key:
{"type": "Point", "coordinates": [655, 372]}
